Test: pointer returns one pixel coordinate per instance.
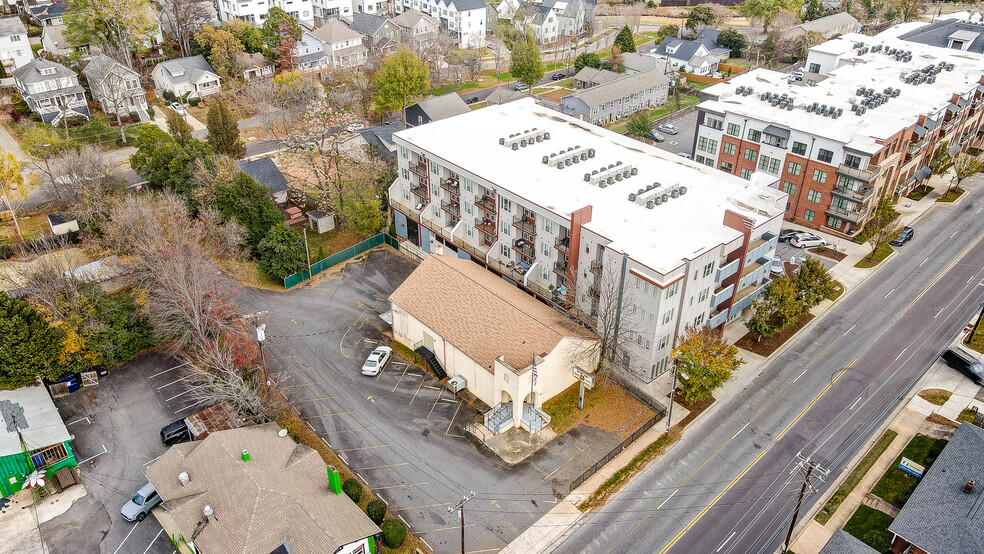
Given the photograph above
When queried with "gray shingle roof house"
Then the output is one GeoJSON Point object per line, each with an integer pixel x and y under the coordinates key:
{"type": "Point", "coordinates": [342, 44]}
{"type": "Point", "coordinates": [255, 66]}
{"type": "Point", "coordinates": [115, 86]}
{"type": "Point", "coordinates": [192, 76]}
{"type": "Point", "coordinates": [843, 542]}
{"type": "Point", "coordinates": [941, 515]}
{"type": "Point", "coordinates": [633, 62]}
{"type": "Point", "coordinates": [616, 99]}
{"type": "Point", "coordinates": [589, 77]}
{"type": "Point", "coordinates": [949, 33]}
{"type": "Point", "coordinates": [49, 14]}
{"type": "Point", "coordinates": [378, 32]}
{"type": "Point", "coordinates": [266, 173]}
{"type": "Point", "coordinates": [435, 108]}
{"type": "Point", "coordinates": [51, 90]}
{"type": "Point", "coordinates": [382, 137]}
{"type": "Point", "coordinates": [700, 56]}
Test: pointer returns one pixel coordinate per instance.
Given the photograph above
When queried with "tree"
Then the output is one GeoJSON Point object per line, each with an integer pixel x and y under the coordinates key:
{"type": "Point", "coordinates": [941, 161]}
{"type": "Point", "coordinates": [525, 62]}
{"type": "Point", "coordinates": [700, 18]}
{"type": "Point", "coordinates": [624, 40]}
{"type": "Point", "coordinates": [639, 124]}
{"type": "Point", "coordinates": [769, 50]}
{"type": "Point", "coordinates": [730, 38]}
{"type": "Point", "coordinates": [402, 75]}
{"type": "Point", "coordinates": [223, 132]}
{"type": "Point", "coordinates": [900, 11]}
{"type": "Point", "coordinates": [271, 30]}
{"type": "Point", "coordinates": [281, 252]}
{"type": "Point", "coordinates": [883, 225]}
{"type": "Point", "coordinates": [249, 203]}
{"type": "Point", "coordinates": [164, 162]}
{"type": "Point", "coordinates": [813, 283]}
{"type": "Point", "coordinates": [83, 182]}
{"type": "Point", "coordinates": [587, 59]}
{"type": "Point", "coordinates": [499, 50]}
{"type": "Point", "coordinates": [119, 26]}
{"type": "Point", "coordinates": [222, 49]}
{"type": "Point", "coordinates": [178, 127]}
{"type": "Point", "coordinates": [364, 211]}
{"type": "Point", "coordinates": [616, 61]}
{"type": "Point", "coordinates": [246, 33]}
{"type": "Point", "coordinates": [361, 81]}
{"type": "Point", "coordinates": [14, 188]}
{"type": "Point", "coordinates": [186, 17]}
{"type": "Point", "coordinates": [668, 30]}
{"type": "Point", "coordinates": [284, 53]}
{"type": "Point", "coordinates": [29, 347]}
{"type": "Point", "coordinates": [766, 10]}
{"type": "Point", "coordinates": [813, 9]}
{"type": "Point", "coordinates": [706, 361]}
{"type": "Point", "coordinates": [777, 308]}
{"type": "Point", "coordinates": [965, 165]}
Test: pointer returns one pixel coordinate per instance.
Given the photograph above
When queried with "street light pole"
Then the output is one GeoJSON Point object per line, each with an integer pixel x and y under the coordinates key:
{"type": "Point", "coordinates": [669, 413]}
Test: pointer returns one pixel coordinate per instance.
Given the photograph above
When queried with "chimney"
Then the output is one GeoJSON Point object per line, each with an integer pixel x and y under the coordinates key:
{"type": "Point", "coordinates": [334, 482]}
{"type": "Point", "coordinates": [955, 98]}
{"type": "Point", "coordinates": [922, 120]}
{"type": "Point", "coordinates": [969, 487]}
{"type": "Point", "coordinates": [183, 478]}
{"type": "Point", "coordinates": [246, 457]}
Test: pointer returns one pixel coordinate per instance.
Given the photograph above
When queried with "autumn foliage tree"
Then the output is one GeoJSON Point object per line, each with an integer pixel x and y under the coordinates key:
{"type": "Point", "coordinates": [777, 308]}
{"type": "Point", "coordinates": [705, 362]}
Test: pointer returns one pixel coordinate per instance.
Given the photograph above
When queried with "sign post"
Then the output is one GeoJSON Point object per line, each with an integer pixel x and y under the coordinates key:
{"type": "Point", "coordinates": [587, 381]}
{"type": "Point", "coordinates": [912, 468]}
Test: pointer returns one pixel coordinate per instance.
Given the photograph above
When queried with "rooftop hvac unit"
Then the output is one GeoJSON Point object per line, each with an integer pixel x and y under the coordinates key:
{"type": "Point", "coordinates": [546, 159]}
{"type": "Point", "coordinates": [665, 197]}
{"type": "Point", "coordinates": [683, 190]}
{"type": "Point", "coordinates": [632, 197]}
{"type": "Point", "coordinates": [641, 191]}
{"type": "Point", "coordinates": [457, 383]}
{"type": "Point", "coordinates": [674, 193]}
{"type": "Point", "coordinates": [650, 204]}
{"type": "Point", "coordinates": [657, 200]}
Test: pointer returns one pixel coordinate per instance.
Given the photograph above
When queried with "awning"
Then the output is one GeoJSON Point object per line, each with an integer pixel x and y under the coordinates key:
{"type": "Point", "coordinates": [774, 131]}
{"type": "Point", "coordinates": [923, 172]}
{"type": "Point", "coordinates": [954, 149]}
{"type": "Point", "coordinates": [919, 130]}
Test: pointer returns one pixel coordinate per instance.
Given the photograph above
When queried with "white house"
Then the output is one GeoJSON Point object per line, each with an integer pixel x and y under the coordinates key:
{"type": "Point", "coordinates": [416, 28]}
{"type": "Point", "coordinates": [463, 20]}
{"type": "Point", "coordinates": [15, 50]}
{"type": "Point", "coordinates": [51, 90]}
{"type": "Point", "coordinates": [255, 66]}
{"type": "Point", "coordinates": [255, 11]}
{"type": "Point", "coordinates": [691, 56]}
{"type": "Point", "coordinates": [327, 10]}
{"type": "Point", "coordinates": [115, 86]}
{"type": "Point", "coordinates": [482, 329]}
{"type": "Point", "coordinates": [192, 76]}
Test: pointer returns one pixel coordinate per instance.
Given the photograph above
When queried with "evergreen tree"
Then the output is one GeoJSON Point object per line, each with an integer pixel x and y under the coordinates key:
{"type": "Point", "coordinates": [223, 132]}
{"type": "Point", "coordinates": [29, 347]}
{"type": "Point", "coordinates": [526, 63]}
{"type": "Point", "coordinates": [586, 59]}
{"type": "Point", "coordinates": [624, 40]}
{"type": "Point", "coordinates": [282, 252]}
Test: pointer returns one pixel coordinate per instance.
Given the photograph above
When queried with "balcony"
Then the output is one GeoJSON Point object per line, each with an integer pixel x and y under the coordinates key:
{"type": "Point", "coordinates": [563, 244]}
{"type": "Point", "coordinates": [595, 267]}
{"type": "Point", "coordinates": [727, 270]}
{"type": "Point", "coordinates": [594, 292]}
{"type": "Point", "coordinates": [451, 185]}
{"type": "Point", "coordinates": [485, 203]}
{"type": "Point", "coordinates": [525, 248]}
{"type": "Point", "coordinates": [451, 207]}
{"type": "Point", "coordinates": [421, 192]}
{"type": "Point", "coordinates": [867, 175]}
{"type": "Point", "coordinates": [418, 171]}
{"type": "Point", "coordinates": [484, 225]}
{"type": "Point", "coordinates": [525, 224]}
{"type": "Point", "coordinates": [854, 216]}
{"type": "Point", "coordinates": [560, 268]}
{"type": "Point", "coordinates": [405, 206]}
{"type": "Point", "coordinates": [471, 249]}
{"type": "Point", "coordinates": [861, 195]}
{"type": "Point", "coordinates": [915, 147]}
{"type": "Point", "coordinates": [722, 294]}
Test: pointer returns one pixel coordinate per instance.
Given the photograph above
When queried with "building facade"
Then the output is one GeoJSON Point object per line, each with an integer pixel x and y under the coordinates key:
{"type": "Point", "coordinates": [463, 20]}
{"type": "Point", "coordinates": [32, 437]}
{"type": "Point", "coordinates": [255, 11]}
{"type": "Point", "coordinates": [115, 86]}
{"type": "Point", "coordinates": [610, 101]}
{"type": "Point", "coordinates": [15, 50]}
{"type": "Point", "coordinates": [51, 90]}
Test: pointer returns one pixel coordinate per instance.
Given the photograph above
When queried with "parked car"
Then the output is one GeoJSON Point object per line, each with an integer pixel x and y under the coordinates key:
{"type": "Point", "coordinates": [137, 508]}
{"type": "Point", "coordinates": [683, 155]}
{"type": "Point", "coordinates": [807, 240]}
{"type": "Point", "coordinates": [520, 87]}
{"type": "Point", "coordinates": [174, 433]}
{"type": "Point", "coordinates": [179, 107]}
{"type": "Point", "coordinates": [964, 362]}
{"type": "Point", "coordinates": [787, 235]}
{"type": "Point", "coordinates": [377, 360]}
{"type": "Point", "coordinates": [558, 76]}
{"type": "Point", "coordinates": [905, 235]}
{"type": "Point", "coordinates": [668, 128]}
{"type": "Point", "coordinates": [776, 266]}
{"type": "Point", "coordinates": [656, 136]}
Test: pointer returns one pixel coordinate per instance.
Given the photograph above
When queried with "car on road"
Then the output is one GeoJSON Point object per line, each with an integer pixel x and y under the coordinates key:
{"type": "Point", "coordinates": [520, 87]}
{"type": "Point", "coordinates": [137, 508]}
{"type": "Point", "coordinates": [807, 240]}
{"type": "Point", "coordinates": [905, 235]}
{"type": "Point", "coordinates": [558, 76]}
{"type": "Point", "coordinates": [178, 107]}
{"type": "Point", "coordinates": [964, 362]}
{"type": "Point", "coordinates": [656, 136]}
{"type": "Point", "coordinates": [377, 360]}
{"type": "Point", "coordinates": [787, 235]}
{"type": "Point", "coordinates": [668, 128]}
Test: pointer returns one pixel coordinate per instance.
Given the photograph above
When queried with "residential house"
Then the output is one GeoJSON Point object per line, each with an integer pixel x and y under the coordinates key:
{"type": "Point", "coordinates": [690, 56]}
{"type": "Point", "coordinates": [548, 20]}
{"type": "Point", "coordinates": [589, 77]}
{"type": "Point", "coordinates": [463, 20]}
{"type": "Point", "coordinates": [571, 212]}
{"type": "Point", "coordinates": [53, 40]}
{"type": "Point", "coordinates": [49, 14]}
{"type": "Point", "coordinates": [115, 86]}
{"type": "Point", "coordinates": [15, 50]}
{"type": "Point", "coordinates": [965, 34]}
{"type": "Point", "coordinates": [32, 437]}
{"type": "Point", "coordinates": [633, 62]}
{"type": "Point", "coordinates": [503, 95]}
{"type": "Point", "coordinates": [379, 34]}
{"type": "Point", "coordinates": [571, 15]}
{"type": "Point", "coordinates": [943, 514]}
{"type": "Point", "coordinates": [843, 542]}
{"type": "Point", "coordinates": [310, 55]}
{"type": "Point", "coordinates": [51, 90]}
{"type": "Point", "coordinates": [266, 173]}
{"type": "Point", "coordinates": [255, 66]}
{"type": "Point", "coordinates": [190, 76]}
{"type": "Point", "coordinates": [416, 28]}
{"type": "Point", "coordinates": [479, 329]}
{"type": "Point", "coordinates": [255, 11]}
{"type": "Point", "coordinates": [435, 108]}
{"type": "Point", "coordinates": [253, 489]}
{"type": "Point", "coordinates": [328, 10]}
{"type": "Point", "coordinates": [826, 27]}
{"type": "Point", "coordinates": [342, 45]}
{"type": "Point", "coordinates": [380, 138]}
{"type": "Point", "coordinates": [604, 103]}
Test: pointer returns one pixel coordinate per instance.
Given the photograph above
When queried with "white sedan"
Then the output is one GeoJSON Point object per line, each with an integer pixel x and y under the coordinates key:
{"type": "Point", "coordinates": [377, 360]}
{"type": "Point", "coordinates": [807, 240]}
{"type": "Point", "coordinates": [178, 107]}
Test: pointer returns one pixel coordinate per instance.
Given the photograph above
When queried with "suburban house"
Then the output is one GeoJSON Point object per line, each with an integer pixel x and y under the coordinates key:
{"type": "Point", "coordinates": [826, 27]}
{"type": "Point", "coordinates": [51, 90]}
{"type": "Point", "coordinates": [571, 212]}
{"type": "Point", "coordinates": [266, 173]}
{"type": "Point", "coordinates": [489, 334]}
{"type": "Point", "coordinates": [380, 138]}
{"type": "Point", "coordinates": [253, 489]}
{"type": "Point", "coordinates": [15, 50]}
{"type": "Point", "coordinates": [190, 76]}
{"type": "Point", "coordinates": [590, 77]}
{"type": "Point", "coordinates": [633, 62]}
{"type": "Point", "coordinates": [379, 34]}
{"type": "Point", "coordinates": [32, 437]}
{"type": "Point", "coordinates": [255, 66]}
{"type": "Point", "coordinates": [370, 6]}
{"type": "Point", "coordinates": [965, 34]}
{"type": "Point", "coordinates": [843, 542]}
{"type": "Point", "coordinates": [416, 28]}
{"type": "Point", "coordinates": [503, 95]}
{"type": "Point", "coordinates": [690, 56]}
{"type": "Point", "coordinates": [53, 40]}
{"type": "Point", "coordinates": [115, 86]}
{"type": "Point", "coordinates": [435, 108]}
{"type": "Point", "coordinates": [571, 15]}
{"type": "Point", "coordinates": [462, 20]}
{"type": "Point", "coordinates": [535, 17]}
{"type": "Point", "coordinates": [310, 55]}
{"type": "Point", "coordinates": [343, 46]}
{"type": "Point", "coordinates": [48, 14]}
{"type": "Point", "coordinates": [618, 98]}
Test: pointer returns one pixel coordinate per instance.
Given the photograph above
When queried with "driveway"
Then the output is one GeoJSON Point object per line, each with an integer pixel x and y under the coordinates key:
{"type": "Point", "coordinates": [682, 142]}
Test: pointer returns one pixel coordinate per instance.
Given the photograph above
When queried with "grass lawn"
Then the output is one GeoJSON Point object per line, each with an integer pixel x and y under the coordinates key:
{"type": "Point", "coordinates": [976, 341]}
{"type": "Point", "coordinates": [686, 100]}
{"type": "Point", "coordinates": [541, 90]}
{"type": "Point", "coordinates": [881, 253]}
{"type": "Point", "coordinates": [33, 226]}
{"type": "Point", "coordinates": [868, 524]}
{"type": "Point", "coordinates": [919, 193]}
{"type": "Point", "coordinates": [937, 397]}
{"type": "Point", "coordinates": [838, 291]}
{"type": "Point", "coordinates": [698, 86]}
{"type": "Point", "coordinates": [607, 406]}
{"type": "Point", "coordinates": [967, 415]}
{"type": "Point", "coordinates": [951, 195]}
{"type": "Point", "coordinates": [922, 450]}
{"type": "Point", "coordinates": [568, 83]}
{"type": "Point", "coordinates": [768, 345]}
{"type": "Point", "coordinates": [96, 131]}
{"type": "Point", "coordinates": [324, 245]}
{"type": "Point", "coordinates": [856, 475]}
{"type": "Point", "coordinates": [248, 272]}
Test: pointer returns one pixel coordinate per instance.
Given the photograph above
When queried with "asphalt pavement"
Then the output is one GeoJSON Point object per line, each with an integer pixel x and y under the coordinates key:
{"type": "Point", "coordinates": [730, 485]}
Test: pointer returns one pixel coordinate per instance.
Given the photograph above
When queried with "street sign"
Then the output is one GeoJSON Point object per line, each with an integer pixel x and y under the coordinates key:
{"type": "Point", "coordinates": [912, 468]}
{"type": "Point", "coordinates": [584, 377]}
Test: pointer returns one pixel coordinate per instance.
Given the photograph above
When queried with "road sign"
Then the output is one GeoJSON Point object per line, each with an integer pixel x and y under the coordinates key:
{"type": "Point", "coordinates": [912, 468]}
{"type": "Point", "coordinates": [584, 377]}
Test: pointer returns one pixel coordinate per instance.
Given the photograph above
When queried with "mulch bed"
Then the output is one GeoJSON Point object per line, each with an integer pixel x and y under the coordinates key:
{"type": "Point", "coordinates": [768, 345]}
{"type": "Point", "coordinates": [828, 253]}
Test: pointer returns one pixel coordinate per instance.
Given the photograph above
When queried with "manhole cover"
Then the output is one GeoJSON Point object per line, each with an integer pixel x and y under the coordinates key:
{"type": "Point", "coordinates": [560, 443]}
{"type": "Point", "coordinates": [674, 142]}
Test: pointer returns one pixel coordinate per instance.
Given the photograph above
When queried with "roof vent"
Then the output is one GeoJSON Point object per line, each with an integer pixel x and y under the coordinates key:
{"type": "Point", "coordinates": [282, 433]}
{"type": "Point", "coordinates": [183, 478]}
{"type": "Point", "coordinates": [208, 511]}
{"type": "Point", "coordinates": [969, 487]}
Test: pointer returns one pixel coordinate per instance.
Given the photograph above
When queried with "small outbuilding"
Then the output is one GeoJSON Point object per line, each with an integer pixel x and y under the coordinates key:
{"type": "Point", "coordinates": [32, 437]}
{"type": "Point", "coordinates": [320, 221]}
{"type": "Point", "coordinates": [62, 223]}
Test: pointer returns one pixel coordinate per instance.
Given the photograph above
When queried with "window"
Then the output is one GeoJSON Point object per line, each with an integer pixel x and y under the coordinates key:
{"type": "Point", "coordinates": [819, 176]}
{"type": "Point", "coordinates": [437, 210]}
{"type": "Point", "coordinates": [814, 68]}
{"type": "Point", "coordinates": [751, 155]}
{"type": "Point", "coordinates": [469, 230]}
{"type": "Point", "coordinates": [545, 249]}
{"type": "Point", "coordinates": [672, 289]}
{"type": "Point", "coordinates": [469, 185]}
{"type": "Point", "coordinates": [754, 135]}
{"type": "Point", "coordinates": [506, 204]}
{"type": "Point", "coordinates": [729, 149]}
{"type": "Point", "coordinates": [403, 152]}
{"type": "Point", "coordinates": [773, 140]}
{"type": "Point", "coordinates": [799, 148]}
{"type": "Point", "coordinates": [834, 222]}
{"type": "Point", "coordinates": [702, 160]}
{"type": "Point", "coordinates": [637, 281]}
{"type": "Point", "coordinates": [652, 318]}
{"type": "Point", "coordinates": [699, 320]}
{"type": "Point", "coordinates": [707, 145]}
{"type": "Point", "coordinates": [635, 310]}
{"type": "Point", "coordinates": [708, 269]}
{"type": "Point", "coordinates": [504, 227]}
{"type": "Point", "coordinates": [547, 224]}
{"type": "Point", "coordinates": [469, 209]}
{"type": "Point", "coordinates": [713, 123]}
{"type": "Point", "coordinates": [663, 341]}
{"type": "Point", "coordinates": [825, 155]}
{"type": "Point", "coordinates": [406, 174]}
{"type": "Point", "coordinates": [668, 316]}
{"type": "Point", "coordinates": [769, 164]}
{"type": "Point", "coordinates": [794, 168]}
{"type": "Point", "coordinates": [727, 166]}
{"type": "Point", "coordinates": [734, 129]}
{"type": "Point", "coordinates": [544, 272]}
{"type": "Point", "coordinates": [814, 196]}
{"type": "Point", "coordinates": [851, 160]}
{"type": "Point", "coordinates": [788, 188]}
{"type": "Point", "coordinates": [649, 344]}
{"type": "Point", "coordinates": [642, 313]}
{"type": "Point", "coordinates": [505, 251]}
{"type": "Point", "coordinates": [809, 215]}
{"type": "Point", "coordinates": [745, 173]}
{"type": "Point", "coordinates": [704, 294]}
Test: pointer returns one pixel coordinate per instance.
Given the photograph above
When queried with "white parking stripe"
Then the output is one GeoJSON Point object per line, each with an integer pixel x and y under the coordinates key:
{"type": "Point", "coordinates": [127, 537]}
{"type": "Point", "coordinates": [153, 541]}
{"type": "Point", "coordinates": [166, 370]}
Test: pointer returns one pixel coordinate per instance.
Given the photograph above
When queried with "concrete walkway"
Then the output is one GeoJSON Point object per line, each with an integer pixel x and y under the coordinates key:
{"type": "Point", "coordinates": [21, 519]}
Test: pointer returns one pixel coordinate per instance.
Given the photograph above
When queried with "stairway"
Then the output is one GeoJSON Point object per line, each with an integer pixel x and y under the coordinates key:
{"type": "Point", "coordinates": [499, 417]}
{"type": "Point", "coordinates": [431, 360]}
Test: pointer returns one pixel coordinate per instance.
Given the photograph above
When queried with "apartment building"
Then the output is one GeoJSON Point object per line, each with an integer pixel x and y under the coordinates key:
{"type": "Point", "coordinates": [680, 243]}
{"type": "Point", "coordinates": [621, 97]}
{"type": "Point", "coordinates": [15, 50]}
{"type": "Point", "coordinates": [861, 124]}
{"type": "Point", "coordinates": [255, 11]}
{"type": "Point", "coordinates": [463, 20]}
{"type": "Point", "coordinates": [328, 10]}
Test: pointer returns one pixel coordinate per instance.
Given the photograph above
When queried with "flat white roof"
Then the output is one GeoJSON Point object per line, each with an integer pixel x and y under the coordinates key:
{"type": "Point", "coordinates": [660, 238]}
{"type": "Point", "coordinates": [31, 411]}
{"type": "Point", "coordinates": [875, 70]}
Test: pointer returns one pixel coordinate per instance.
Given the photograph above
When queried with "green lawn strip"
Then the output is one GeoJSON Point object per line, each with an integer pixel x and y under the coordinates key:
{"type": "Point", "coordinates": [937, 397]}
{"type": "Point", "coordinates": [838, 291]}
{"type": "Point", "coordinates": [921, 450]}
{"type": "Point", "coordinates": [976, 340]}
{"type": "Point", "coordinates": [855, 477]}
{"type": "Point", "coordinates": [686, 100]}
{"type": "Point", "coordinates": [881, 253]}
{"type": "Point", "coordinates": [967, 415]}
{"type": "Point", "coordinates": [867, 523]}
{"type": "Point", "coordinates": [951, 195]}
{"type": "Point", "coordinates": [699, 86]}
{"type": "Point", "coordinates": [919, 193]}
{"type": "Point", "coordinates": [567, 83]}
{"type": "Point", "coordinates": [621, 476]}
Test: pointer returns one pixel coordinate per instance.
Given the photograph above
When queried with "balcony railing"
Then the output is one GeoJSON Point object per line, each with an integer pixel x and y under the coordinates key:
{"type": "Point", "coordinates": [471, 249]}
{"type": "Point", "coordinates": [560, 268]}
{"type": "Point", "coordinates": [595, 267]}
{"type": "Point", "coordinates": [421, 191]}
{"type": "Point", "coordinates": [418, 171]}
{"type": "Point", "coordinates": [915, 147]}
{"type": "Point", "coordinates": [854, 216]}
{"type": "Point", "coordinates": [485, 203]}
{"type": "Point", "coordinates": [451, 207]}
{"type": "Point", "coordinates": [859, 195]}
{"type": "Point", "coordinates": [594, 292]}
{"type": "Point", "coordinates": [525, 224]}
{"type": "Point", "coordinates": [483, 225]}
{"type": "Point", "coordinates": [405, 206]}
{"type": "Point", "coordinates": [563, 244]}
{"type": "Point", "coordinates": [450, 185]}
{"type": "Point", "coordinates": [525, 248]}
{"type": "Point", "coordinates": [868, 174]}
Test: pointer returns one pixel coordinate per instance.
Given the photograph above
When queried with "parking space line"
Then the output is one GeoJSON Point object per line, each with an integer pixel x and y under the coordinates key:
{"type": "Point", "coordinates": [345, 431]}
{"type": "Point", "coordinates": [558, 467]}
{"type": "Point", "coordinates": [182, 394]}
{"type": "Point", "coordinates": [176, 412]}
{"type": "Point", "coordinates": [450, 423]}
{"type": "Point", "coordinates": [166, 370]}
{"type": "Point", "coordinates": [85, 419]}
{"type": "Point", "coordinates": [342, 340]}
{"type": "Point", "coordinates": [481, 551]}
{"type": "Point", "coordinates": [583, 452]}
{"type": "Point", "coordinates": [402, 487]}
{"type": "Point", "coordinates": [303, 385]}
{"type": "Point", "coordinates": [419, 507]}
{"type": "Point", "coordinates": [435, 402]}
{"type": "Point", "coordinates": [381, 467]}
{"type": "Point", "coordinates": [134, 528]}
{"type": "Point", "coordinates": [318, 398]}
{"type": "Point", "coordinates": [175, 381]}
{"type": "Point", "coordinates": [418, 391]}
{"type": "Point", "coordinates": [401, 378]}
{"type": "Point", "coordinates": [330, 415]}
{"type": "Point", "coordinates": [94, 457]}
{"type": "Point", "coordinates": [152, 461]}
{"type": "Point", "coordinates": [153, 541]}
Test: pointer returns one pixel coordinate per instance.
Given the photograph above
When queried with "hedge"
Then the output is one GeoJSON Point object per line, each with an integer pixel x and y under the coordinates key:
{"type": "Point", "coordinates": [394, 532]}
{"type": "Point", "coordinates": [376, 510]}
{"type": "Point", "coordinates": [353, 489]}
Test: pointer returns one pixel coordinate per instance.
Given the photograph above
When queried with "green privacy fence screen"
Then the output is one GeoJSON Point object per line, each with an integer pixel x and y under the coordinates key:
{"type": "Point", "coordinates": [292, 281]}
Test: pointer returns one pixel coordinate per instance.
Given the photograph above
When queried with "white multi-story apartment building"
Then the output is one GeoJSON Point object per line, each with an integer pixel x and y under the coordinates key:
{"type": "Point", "coordinates": [463, 20]}
{"type": "Point", "coordinates": [255, 11]}
{"type": "Point", "coordinates": [861, 123]}
{"type": "Point", "coordinates": [581, 217]}
{"type": "Point", "coordinates": [328, 10]}
{"type": "Point", "coordinates": [15, 50]}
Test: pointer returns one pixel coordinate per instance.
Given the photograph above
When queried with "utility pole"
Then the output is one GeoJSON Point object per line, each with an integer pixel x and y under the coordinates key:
{"type": "Point", "coordinates": [260, 329]}
{"type": "Point", "coordinates": [460, 506]}
{"type": "Point", "coordinates": [809, 469]}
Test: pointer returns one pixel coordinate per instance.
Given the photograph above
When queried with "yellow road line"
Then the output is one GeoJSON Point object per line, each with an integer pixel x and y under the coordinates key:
{"type": "Point", "coordinates": [450, 423]}
{"type": "Point", "coordinates": [439, 395]}
{"type": "Point", "coordinates": [401, 378]}
{"type": "Point", "coordinates": [342, 340]}
{"type": "Point", "coordinates": [940, 276]}
{"type": "Point", "coordinates": [455, 528]}
{"type": "Point", "coordinates": [422, 379]}
{"type": "Point", "coordinates": [814, 401]}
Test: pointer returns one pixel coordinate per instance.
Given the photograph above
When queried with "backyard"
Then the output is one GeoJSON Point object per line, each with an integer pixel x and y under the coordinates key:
{"type": "Point", "coordinates": [98, 130]}
{"type": "Point", "coordinates": [686, 100]}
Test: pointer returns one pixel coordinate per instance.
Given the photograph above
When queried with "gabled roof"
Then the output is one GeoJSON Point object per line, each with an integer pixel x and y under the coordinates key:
{"type": "Point", "coordinates": [464, 5]}
{"type": "Point", "coordinates": [620, 88]}
{"type": "Point", "coordinates": [639, 62]}
{"type": "Point", "coordinates": [382, 135]}
{"type": "Point", "coordinates": [99, 67]}
{"type": "Point", "coordinates": [686, 49]}
{"type": "Point", "coordinates": [193, 67]}
{"type": "Point", "coordinates": [481, 314]}
{"type": "Point", "coordinates": [280, 496]}
{"type": "Point", "coordinates": [939, 516]}
{"type": "Point", "coordinates": [30, 410]}
{"type": "Point", "coordinates": [367, 24]}
{"type": "Point", "coordinates": [409, 19]}
{"type": "Point", "coordinates": [265, 172]}
{"type": "Point", "coordinates": [504, 95]}
{"type": "Point", "coordinates": [12, 26]}
{"type": "Point", "coordinates": [254, 59]}
{"type": "Point", "coordinates": [440, 107]}
{"type": "Point", "coordinates": [843, 542]}
{"type": "Point", "coordinates": [600, 76]}
{"type": "Point", "coordinates": [938, 33]}
{"type": "Point", "coordinates": [31, 71]}
{"type": "Point", "coordinates": [49, 11]}
{"type": "Point", "coordinates": [335, 31]}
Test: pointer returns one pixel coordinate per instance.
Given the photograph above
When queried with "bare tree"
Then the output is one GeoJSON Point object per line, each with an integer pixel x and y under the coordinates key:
{"type": "Point", "coordinates": [362, 83]}
{"type": "Point", "coordinates": [83, 182]}
{"type": "Point", "coordinates": [225, 371]}
{"type": "Point", "coordinates": [632, 14]}
{"type": "Point", "coordinates": [185, 18]}
{"type": "Point", "coordinates": [500, 54]}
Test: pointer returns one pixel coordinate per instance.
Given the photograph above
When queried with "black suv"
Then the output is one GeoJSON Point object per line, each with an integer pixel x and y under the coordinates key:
{"type": "Point", "coordinates": [905, 235]}
{"type": "Point", "coordinates": [787, 235]}
{"type": "Point", "coordinates": [964, 362]}
{"type": "Point", "coordinates": [176, 432]}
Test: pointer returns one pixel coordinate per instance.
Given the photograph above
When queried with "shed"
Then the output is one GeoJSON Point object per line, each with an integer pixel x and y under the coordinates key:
{"type": "Point", "coordinates": [62, 223]}
{"type": "Point", "coordinates": [320, 221]}
{"type": "Point", "coordinates": [32, 436]}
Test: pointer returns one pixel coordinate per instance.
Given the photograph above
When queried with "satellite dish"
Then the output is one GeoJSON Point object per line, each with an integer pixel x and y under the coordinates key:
{"type": "Point", "coordinates": [282, 433]}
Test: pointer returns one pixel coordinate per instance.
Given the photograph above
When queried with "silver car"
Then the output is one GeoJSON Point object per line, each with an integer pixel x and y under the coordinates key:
{"type": "Point", "coordinates": [141, 504]}
{"type": "Point", "coordinates": [179, 107]}
{"type": "Point", "coordinates": [668, 128]}
{"type": "Point", "coordinates": [377, 360]}
{"type": "Point", "coordinates": [807, 240]}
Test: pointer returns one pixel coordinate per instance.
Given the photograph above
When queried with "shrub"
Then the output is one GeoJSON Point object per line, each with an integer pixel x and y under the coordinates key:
{"type": "Point", "coordinates": [903, 496]}
{"type": "Point", "coordinates": [353, 489]}
{"type": "Point", "coordinates": [6, 251]}
{"type": "Point", "coordinates": [150, 111]}
{"type": "Point", "coordinates": [124, 119]}
{"type": "Point", "coordinates": [376, 510]}
{"type": "Point", "coordinates": [15, 116]}
{"type": "Point", "coordinates": [77, 121]}
{"type": "Point", "coordinates": [168, 96]}
{"type": "Point", "coordinates": [394, 532]}
{"type": "Point", "coordinates": [878, 539]}
{"type": "Point", "coordinates": [194, 101]}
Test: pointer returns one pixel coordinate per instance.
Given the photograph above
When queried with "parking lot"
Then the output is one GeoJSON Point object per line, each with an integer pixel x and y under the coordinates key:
{"type": "Point", "coordinates": [683, 141]}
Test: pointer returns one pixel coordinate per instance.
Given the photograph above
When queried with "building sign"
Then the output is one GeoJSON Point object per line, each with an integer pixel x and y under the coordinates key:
{"type": "Point", "coordinates": [584, 377]}
{"type": "Point", "coordinates": [912, 468]}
